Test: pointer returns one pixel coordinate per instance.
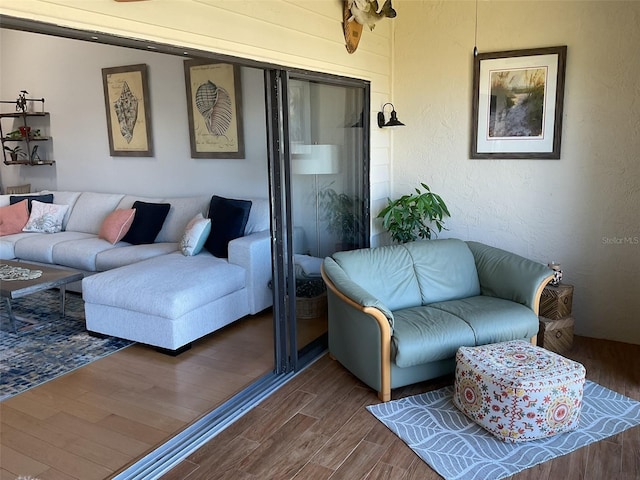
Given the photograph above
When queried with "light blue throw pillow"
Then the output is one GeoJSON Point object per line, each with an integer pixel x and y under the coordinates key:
{"type": "Point", "coordinates": [195, 235]}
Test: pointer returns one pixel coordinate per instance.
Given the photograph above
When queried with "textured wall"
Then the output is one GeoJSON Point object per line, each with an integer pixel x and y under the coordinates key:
{"type": "Point", "coordinates": [581, 211]}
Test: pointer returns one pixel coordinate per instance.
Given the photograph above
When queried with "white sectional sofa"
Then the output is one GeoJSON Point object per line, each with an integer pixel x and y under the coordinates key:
{"type": "Point", "coordinates": [152, 293]}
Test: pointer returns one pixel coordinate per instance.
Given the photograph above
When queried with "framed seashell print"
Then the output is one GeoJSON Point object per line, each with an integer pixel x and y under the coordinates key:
{"type": "Point", "coordinates": [214, 105]}
{"type": "Point", "coordinates": [126, 97]}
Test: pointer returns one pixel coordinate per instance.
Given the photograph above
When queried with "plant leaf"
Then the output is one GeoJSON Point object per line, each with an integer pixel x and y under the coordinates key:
{"type": "Point", "coordinates": [407, 218]}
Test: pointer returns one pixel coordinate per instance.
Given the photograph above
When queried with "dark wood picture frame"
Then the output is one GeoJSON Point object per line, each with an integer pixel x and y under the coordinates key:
{"type": "Point", "coordinates": [128, 109]}
{"type": "Point", "coordinates": [214, 105]}
{"type": "Point", "coordinates": [517, 104]}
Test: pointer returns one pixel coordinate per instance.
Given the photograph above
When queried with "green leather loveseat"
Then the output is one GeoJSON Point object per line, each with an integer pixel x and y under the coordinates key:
{"type": "Point", "coordinates": [397, 314]}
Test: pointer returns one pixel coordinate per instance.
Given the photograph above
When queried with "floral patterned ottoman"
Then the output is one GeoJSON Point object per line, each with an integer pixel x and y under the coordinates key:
{"type": "Point", "coordinates": [518, 391]}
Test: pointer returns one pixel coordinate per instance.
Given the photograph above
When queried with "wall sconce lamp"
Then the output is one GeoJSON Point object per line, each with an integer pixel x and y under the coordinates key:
{"type": "Point", "coordinates": [393, 121]}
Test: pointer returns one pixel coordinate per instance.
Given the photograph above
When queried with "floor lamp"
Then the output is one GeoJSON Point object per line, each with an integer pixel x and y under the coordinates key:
{"type": "Point", "coordinates": [316, 160]}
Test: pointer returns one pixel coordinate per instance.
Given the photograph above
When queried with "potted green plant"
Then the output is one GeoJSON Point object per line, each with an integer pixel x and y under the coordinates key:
{"type": "Point", "coordinates": [408, 217]}
{"type": "Point", "coordinates": [343, 214]}
{"type": "Point", "coordinates": [14, 152]}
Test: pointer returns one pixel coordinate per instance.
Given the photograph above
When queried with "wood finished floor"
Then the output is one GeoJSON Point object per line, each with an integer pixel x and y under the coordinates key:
{"type": "Point", "coordinates": [98, 419]}
{"type": "Point", "coordinates": [316, 428]}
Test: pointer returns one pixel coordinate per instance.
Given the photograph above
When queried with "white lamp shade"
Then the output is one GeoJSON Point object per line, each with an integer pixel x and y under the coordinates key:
{"type": "Point", "coordinates": [316, 160]}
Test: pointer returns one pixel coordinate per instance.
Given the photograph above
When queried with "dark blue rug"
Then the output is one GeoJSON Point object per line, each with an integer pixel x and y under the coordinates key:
{"type": "Point", "coordinates": [45, 345]}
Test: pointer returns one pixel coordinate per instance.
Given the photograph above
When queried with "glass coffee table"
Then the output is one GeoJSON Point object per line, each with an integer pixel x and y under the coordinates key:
{"type": "Point", "coordinates": [19, 279]}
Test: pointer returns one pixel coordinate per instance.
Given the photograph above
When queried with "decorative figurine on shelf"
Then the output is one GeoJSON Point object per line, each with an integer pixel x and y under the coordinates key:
{"type": "Point", "coordinates": [557, 274]}
{"type": "Point", "coordinates": [21, 102]}
{"type": "Point", "coordinates": [34, 154]}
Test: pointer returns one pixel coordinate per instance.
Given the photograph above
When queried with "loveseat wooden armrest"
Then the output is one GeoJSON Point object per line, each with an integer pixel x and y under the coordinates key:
{"type": "Point", "coordinates": [355, 322]}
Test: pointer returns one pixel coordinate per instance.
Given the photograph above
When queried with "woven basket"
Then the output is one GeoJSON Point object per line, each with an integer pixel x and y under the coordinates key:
{"type": "Point", "coordinates": [313, 307]}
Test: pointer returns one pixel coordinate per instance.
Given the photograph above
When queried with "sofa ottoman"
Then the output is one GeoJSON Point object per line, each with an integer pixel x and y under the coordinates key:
{"type": "Point", "coordinates": [518, 391]}
{"type": "Point", "coordinates": [167, 301]}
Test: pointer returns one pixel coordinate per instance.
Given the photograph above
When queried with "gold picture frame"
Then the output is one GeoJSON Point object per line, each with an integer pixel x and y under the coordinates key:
{"type": "Point", "coordinates": [517, 103]}
{"type": "Point", "coordinates": [214, 105]}
{"type": "Point", "coordinates": [126, 97]}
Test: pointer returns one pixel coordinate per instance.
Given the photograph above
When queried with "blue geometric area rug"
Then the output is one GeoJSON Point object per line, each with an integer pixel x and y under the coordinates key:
{"type": "Point", "coordinates": [45, 345]}
{"type": "Point", "coordinates": [458, 448]}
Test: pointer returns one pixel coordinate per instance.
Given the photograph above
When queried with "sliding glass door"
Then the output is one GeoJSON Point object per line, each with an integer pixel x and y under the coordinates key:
{"type": "Point", "coordinates": [316, 145]}
{"type": "Point", "coordinates": [323, 184]}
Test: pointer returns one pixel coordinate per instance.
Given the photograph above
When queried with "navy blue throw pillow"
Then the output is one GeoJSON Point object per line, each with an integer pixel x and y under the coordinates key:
{"type": "Point", "coordinates": [48, 198]}
{"type": "Point", "coordinates": [228, 220]}
{"type": "Point", "coordinates": [147, 222]}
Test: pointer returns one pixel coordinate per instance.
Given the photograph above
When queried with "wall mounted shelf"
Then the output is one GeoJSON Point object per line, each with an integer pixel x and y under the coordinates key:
{"type": "Point", "coordinates": [26, 136]}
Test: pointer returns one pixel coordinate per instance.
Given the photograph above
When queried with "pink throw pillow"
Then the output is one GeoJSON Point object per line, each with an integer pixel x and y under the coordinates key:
{"type": "Point", "coordinates": [13, 218]}
{"type": "Point", "coordinates": [116, 225]}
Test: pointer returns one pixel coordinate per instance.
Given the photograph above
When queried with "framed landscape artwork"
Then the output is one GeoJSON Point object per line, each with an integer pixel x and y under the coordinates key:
{"type": "Point", "coordinates": [214, 106]}
{"type": "Point", "coordinates": [517, 103]}
{"type": "Point", "coordinates": [126, 97]}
